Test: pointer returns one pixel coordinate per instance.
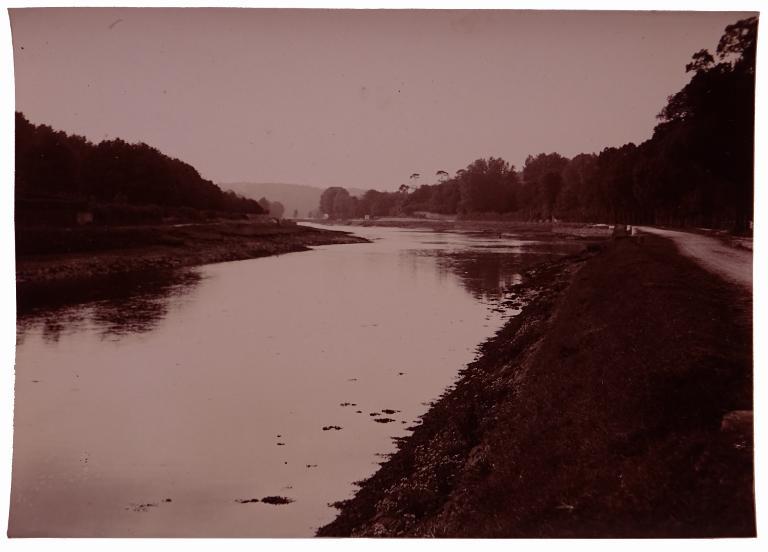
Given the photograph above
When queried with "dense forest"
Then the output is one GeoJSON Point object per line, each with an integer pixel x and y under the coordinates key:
{"type": "Point", "coordinates": [696, 169]}
{"type": "Point", "coordinates": [57, 173]}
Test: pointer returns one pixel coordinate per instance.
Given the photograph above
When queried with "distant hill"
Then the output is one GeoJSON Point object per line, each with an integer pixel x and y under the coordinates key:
{"type": "Point", "coordinates": [293, 196]}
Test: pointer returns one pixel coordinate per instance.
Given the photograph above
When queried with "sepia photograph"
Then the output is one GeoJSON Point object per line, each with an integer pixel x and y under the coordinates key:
{"type": "Point", "coordinates": [395, 273]}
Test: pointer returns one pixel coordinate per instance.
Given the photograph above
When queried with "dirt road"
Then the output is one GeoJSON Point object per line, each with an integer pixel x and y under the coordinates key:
{"type": "Point", "coordinates": [733, 264]}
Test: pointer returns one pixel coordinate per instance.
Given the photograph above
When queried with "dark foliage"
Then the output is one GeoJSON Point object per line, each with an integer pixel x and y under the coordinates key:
{"type": "Point", "coordinates": [133, 182]}
{"type": "Point", "coordinates": [696, 169]}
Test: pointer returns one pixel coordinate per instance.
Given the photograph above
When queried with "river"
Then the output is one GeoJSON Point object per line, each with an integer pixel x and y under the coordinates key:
{"type": "Point", "coordinates": [161, 406]}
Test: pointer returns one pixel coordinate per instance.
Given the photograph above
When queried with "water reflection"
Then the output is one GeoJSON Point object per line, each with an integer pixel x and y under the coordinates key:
{"type": "Point", "coordinates": [113, 307]}
{"type": "Point", "coordinates": [485, 267]}
{"type": "Point", "coordinates": [264, 377]}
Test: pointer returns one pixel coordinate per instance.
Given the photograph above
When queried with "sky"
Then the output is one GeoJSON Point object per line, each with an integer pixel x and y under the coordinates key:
{"type": "Point", "coordinates": [360, 98]}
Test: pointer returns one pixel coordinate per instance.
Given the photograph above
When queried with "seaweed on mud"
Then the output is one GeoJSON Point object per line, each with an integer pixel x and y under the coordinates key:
{"type": "Point", "coordinates": [142, 507]}
{"type": "Point", "coordinates": [277, 500]}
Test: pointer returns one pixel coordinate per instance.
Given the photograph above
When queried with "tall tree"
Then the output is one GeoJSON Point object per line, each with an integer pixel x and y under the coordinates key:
{"type": "Point", "coordinates": [336, 203]}
{"type": "Point", "coordinates": [487, 185]}
{"type": "Point", "coordinates": [707, 130]}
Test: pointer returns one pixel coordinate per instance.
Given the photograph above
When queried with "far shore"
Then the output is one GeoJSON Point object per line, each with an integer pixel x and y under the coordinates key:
{"type": "Point", "coordinates": [50, 258]}
{"type": "Point", "coordinates": [498, 227]}
{"type": "Point", "coordinates": [70, 256]}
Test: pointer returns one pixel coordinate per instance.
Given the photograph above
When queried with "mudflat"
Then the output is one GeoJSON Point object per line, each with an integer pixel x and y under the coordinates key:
{"type": "Point", "coordinates": [47, 258]}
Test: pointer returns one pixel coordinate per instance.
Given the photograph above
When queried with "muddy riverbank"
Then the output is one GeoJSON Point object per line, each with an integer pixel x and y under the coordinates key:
{"type": "Point", "coordinates": [617, 404]}
{"type": "Point", "coordinates": [519, 229]}
{"type": "Point", "coordinates": [52, 258]}
{"type": "Point", "coordinates": [284, 376]}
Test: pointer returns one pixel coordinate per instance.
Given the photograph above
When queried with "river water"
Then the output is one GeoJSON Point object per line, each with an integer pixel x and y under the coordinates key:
{"type": "Point", "coordinates": [153, 407]}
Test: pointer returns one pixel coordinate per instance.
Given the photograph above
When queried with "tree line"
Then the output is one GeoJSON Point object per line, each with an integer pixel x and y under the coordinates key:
{"type": "Point", "coordinates": [274, 208]}
{"type": "Point", "coordinates": [695, 170]}
{"type": "Point", "coordinates": [52, 164]}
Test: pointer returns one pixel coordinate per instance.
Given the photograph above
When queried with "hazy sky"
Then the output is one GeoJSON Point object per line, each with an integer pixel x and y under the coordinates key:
{"type": "Point", "coordinates": [353, 98]}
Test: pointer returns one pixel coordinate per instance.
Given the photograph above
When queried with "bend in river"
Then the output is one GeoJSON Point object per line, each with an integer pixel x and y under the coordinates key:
{"type": "Point", "coordinates": [174, 405]}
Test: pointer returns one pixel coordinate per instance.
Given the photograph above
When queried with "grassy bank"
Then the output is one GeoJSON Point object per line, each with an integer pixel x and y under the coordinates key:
{"type": "Point", "coordinates": [60, 256]}
{"type": "Point", "coordinates": [617, 404]}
